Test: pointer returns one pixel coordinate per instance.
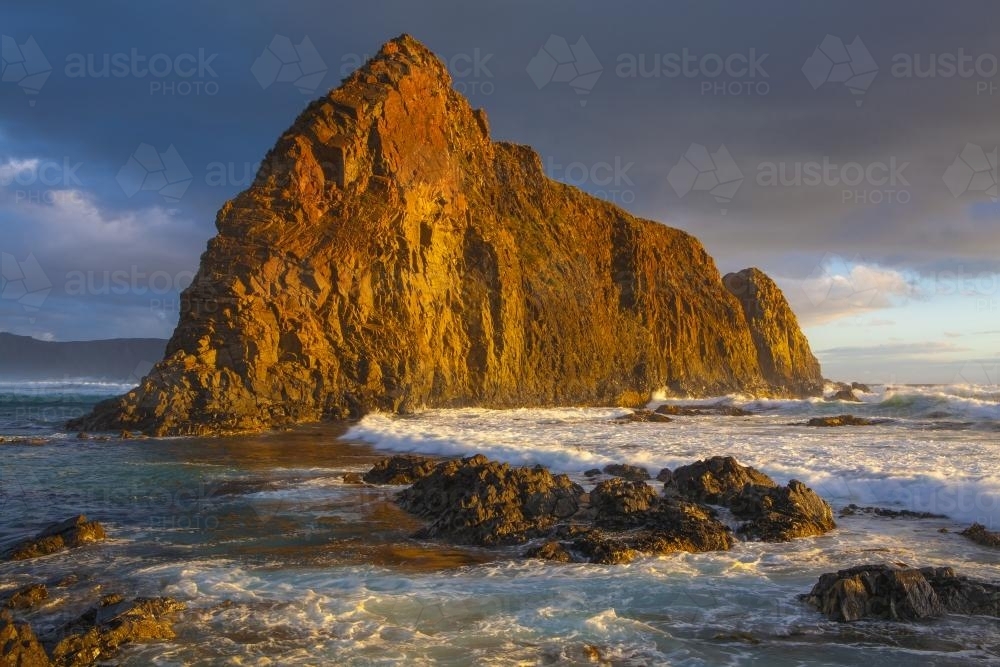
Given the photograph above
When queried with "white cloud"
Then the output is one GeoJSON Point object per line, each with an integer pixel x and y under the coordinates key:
{"type": "Point", "coordinates": [14, 169]}
{"type": "Point", "coordinates": [837, 289]}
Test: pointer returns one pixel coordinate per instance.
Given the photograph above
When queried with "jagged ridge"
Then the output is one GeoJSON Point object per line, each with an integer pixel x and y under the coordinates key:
{"type": "Point", "coordinates": [389, 255]}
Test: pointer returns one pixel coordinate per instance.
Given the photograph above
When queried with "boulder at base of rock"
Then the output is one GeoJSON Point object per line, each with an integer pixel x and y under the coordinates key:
{"type": "Point", "coordinates": [71, 533]}
{"type": "Point", "coordinates": [634, 473]}
{"type": "Point", "coordinates": [846, 395]}
{"type": "Point", "coordinates": [99, 633]}
{"type": "Point", "coordinates": [778, 514]}
{"type": "Point", "coordinates": [901, 594]}
{"type": "Point", "coordinates": [977, 533]}
{"type": "Point", "coordinates": [401, 469]}
{"type": "Point", "coordinates": [19, 647]}
{"type": "Point", "coordinates": [478, 501]}
{"type": "Point", "coordinates": [643, 416]}
{"type": "Point", "coordinates": [714, 480]}
{"type": "Point", "coordinates": [27, 597]}
{"type": "Point", "coordinates": [840, 420]}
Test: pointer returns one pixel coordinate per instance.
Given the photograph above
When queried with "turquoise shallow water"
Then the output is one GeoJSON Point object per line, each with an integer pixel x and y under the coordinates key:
{"type": "Point", "coordinates": [280, 562]}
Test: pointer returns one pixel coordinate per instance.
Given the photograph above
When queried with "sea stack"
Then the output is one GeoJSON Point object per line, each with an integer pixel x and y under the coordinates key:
{"type": "Point", "coordinates": [390, 255]}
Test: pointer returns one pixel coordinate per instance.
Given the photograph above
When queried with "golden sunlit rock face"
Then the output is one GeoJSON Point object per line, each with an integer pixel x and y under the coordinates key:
{"type": "Point", "coordinates": [390, 256]}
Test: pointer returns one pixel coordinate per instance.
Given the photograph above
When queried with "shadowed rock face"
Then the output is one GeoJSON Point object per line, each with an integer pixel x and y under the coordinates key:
{"type": "Point", "coordinates": [901, 593]}
{"type": "Point", "coordinates": [390, 255]}
{"type": "Point", "coordinates": [783, 351]}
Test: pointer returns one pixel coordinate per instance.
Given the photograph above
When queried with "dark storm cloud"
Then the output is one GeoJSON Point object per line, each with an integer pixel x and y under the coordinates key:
{"type": "Point", "coordinates": [619, 136]}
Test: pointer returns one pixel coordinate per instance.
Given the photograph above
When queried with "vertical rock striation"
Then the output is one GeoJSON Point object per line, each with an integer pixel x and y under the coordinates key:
{"type": "Point", "coordinates": [389, 255]}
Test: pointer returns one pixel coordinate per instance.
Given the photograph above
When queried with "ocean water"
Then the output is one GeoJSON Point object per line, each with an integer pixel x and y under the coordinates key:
{"type": "Point", "coordinates": [280, 562]}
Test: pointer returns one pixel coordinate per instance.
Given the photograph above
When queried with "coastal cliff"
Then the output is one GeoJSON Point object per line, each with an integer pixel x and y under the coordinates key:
{"type": "Point", "coordinates": [390, 255]}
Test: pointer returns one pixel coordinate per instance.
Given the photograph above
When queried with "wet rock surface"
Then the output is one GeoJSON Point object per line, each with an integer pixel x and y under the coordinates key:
{"type": "Point", "coordinates": [402, 469]}
{"type": "Point", "coordinates": [68, 534]}
{"type": "Point", "coordinates": [842, 420]}
{"type": "Point", "coordinates": [478, 501]}
{"type": "Point", "coordinates": [852, 510]}
{"type": "Point", "coordinates": [99, 633]}
{"type": "Point", "coordinates": [715, 480]}
{"type": "Point", "coordinates": [482, 502]}
{"type": "Point", "coordinates": [19, 647]}
{"type": "Point", "coordinates": [889, 592]}
{"type": "Point", "coordinates": [630, 472]}
{"type": "Point", "coordinates": [977, 533]}
{"type": "Point", "coordinates": [780, 513]}
{"type": "Point", "coordinates": [643, 416]}
{"type": "Point", "coordinates": [27, 597]}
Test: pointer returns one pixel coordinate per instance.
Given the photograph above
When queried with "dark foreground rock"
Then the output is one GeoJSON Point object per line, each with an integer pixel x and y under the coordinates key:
{"type": "Point", "coordinates": [977, 533]}
{"type": "Point", "coordinates": [19, 647]}
{"type": "Point", "coordinates": [478, 501]}
{"type": "Point", "coordinates": [901, 594]}
{"type": "Point", "coordinates": [715, 480]}
{"type": "Point", "coordinates": [777, 514]}
{"type": "Point", "coordinates": [68, 534]}
{"type": "Point", "coordinates": [771, 513]}
{"type": "Point", "coordinates": [27, 597]}
{"type": "Point", "coordinates": [101, 632]}
{"type": "Point", "coordinates": [402, 469]}
{"type": "Point", "coordinates": [841, 420]}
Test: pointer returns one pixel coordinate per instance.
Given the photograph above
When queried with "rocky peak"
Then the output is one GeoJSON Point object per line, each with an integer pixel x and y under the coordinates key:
{"type": "Point", "coordinates": [389, 256]}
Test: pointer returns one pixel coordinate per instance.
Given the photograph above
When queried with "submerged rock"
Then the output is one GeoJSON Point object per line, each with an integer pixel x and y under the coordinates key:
{"type": "Point", "coordinates": [401, 469]}
{"type": "Point", "coordinates": [715, 480]}
{"type": "Point", "coordinates": [977, 533]}
{"type": "Point", "coordinates": [852, 509]}
{"type": "Point", "coordinates": [68, 534]}
{"type": "Point", "coordinates": [841, 420]}
{"type": "Point", "coordinates": [19, 647]}
{"type": "Point", "coordinates": [27, 597]}
{"type": "Point", "coordinates": [478, 501]}
{"type": "Point", "coordinates": [643, 416]}
{"type": "Point", "coordinates": [626, 471]}
{"type": "Point", "coordinates": [102, 631]}
{"type": "Point", "coordinates": [391, 254]}
{"type": "Point", "coordinates": [901, 594]}
{"type": "Point", "coordinates": [846, 395]}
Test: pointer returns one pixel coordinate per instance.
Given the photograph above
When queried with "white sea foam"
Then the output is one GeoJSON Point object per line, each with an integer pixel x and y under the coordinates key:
{"type": "Point", "coordinates": [950, 472]}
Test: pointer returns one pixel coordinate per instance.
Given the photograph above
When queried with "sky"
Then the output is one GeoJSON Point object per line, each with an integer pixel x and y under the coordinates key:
{"type": "Point", "coordinates": [848, 149]}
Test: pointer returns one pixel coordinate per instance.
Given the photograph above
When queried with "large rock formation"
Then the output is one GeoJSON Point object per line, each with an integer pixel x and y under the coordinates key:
{"type": "Point", "coordinates": [390, 255]}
